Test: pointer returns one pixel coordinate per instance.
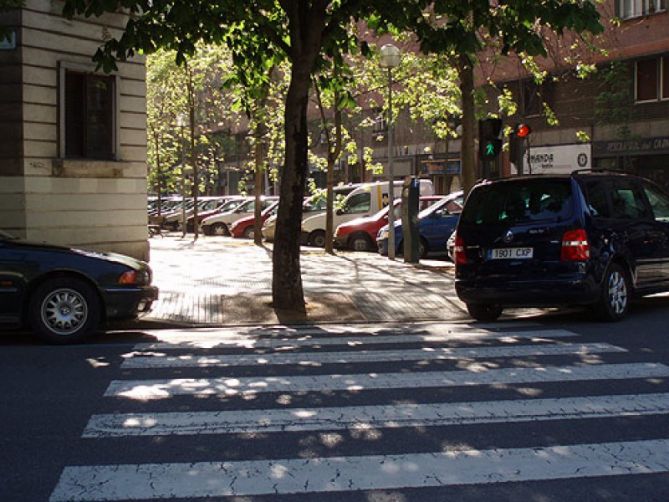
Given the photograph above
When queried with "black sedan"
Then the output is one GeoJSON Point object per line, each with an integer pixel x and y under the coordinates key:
{"type": "Point", "coordinates": [64, 294]}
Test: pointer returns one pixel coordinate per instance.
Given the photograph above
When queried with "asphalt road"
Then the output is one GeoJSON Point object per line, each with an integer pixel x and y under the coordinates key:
{"type": "Point", "coordinates": [551, 408]}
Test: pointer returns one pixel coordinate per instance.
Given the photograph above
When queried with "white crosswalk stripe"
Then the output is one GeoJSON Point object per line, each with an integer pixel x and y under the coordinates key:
{"type": "Point", "coordinates": [371, 417]}
{"type": "Point", "coordinates": [163, 389]}
{"type": "Point", "coordinates": [152, 360]}
{"type": "Point", "coordinates": [335, 474]}
{"type": "Point", "coordinates": [211, 340]}
{"type": "Point", "coordinates": [493, 358]}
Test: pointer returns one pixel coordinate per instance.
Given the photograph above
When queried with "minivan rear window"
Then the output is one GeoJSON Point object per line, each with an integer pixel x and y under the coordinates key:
{"type": "Point", "coordinates": [517, 202]}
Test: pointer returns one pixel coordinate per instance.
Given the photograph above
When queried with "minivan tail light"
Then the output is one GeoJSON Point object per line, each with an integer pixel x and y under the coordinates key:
{"type": "Point", "coordinates": [575, 246]}
{"type": "Point", "coordinates": [459, 251]}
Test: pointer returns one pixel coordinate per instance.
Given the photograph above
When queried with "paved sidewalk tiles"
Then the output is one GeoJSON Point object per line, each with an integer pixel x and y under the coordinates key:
{"type": "Point", "coordinates": [224, 281]}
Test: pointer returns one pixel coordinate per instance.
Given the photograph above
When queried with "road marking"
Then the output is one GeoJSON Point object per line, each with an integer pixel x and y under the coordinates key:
{"type": "Point", "coordinates": [343, 329]}
{"type": "Point", "coordinates": [373, 417]}
{"type": "Point", "coordinates": [209, 340]}
{"type": "Point", "coordinates": [477, 375]}
{"type": "Point", "coordinates": [157, 360]}
{"type": "Point", "coordinates": [373, 472]}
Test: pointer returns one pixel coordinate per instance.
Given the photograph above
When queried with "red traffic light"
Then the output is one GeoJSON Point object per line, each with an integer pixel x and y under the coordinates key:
{"type": "Point", "coordinates": [523, 130]}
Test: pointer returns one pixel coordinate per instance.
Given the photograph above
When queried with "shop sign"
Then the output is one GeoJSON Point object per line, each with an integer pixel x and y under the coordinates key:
{"type": "Point", "coordinates": [441, 167]}
{"type": "Point", "coordinates": [631, 146]}
{"type": "Point", "coordinates": [558, 159]}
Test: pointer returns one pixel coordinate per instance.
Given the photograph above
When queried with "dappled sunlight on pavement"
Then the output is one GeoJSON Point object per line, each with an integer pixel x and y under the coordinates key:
{"type": "Point", "coordinates": [220, 280]}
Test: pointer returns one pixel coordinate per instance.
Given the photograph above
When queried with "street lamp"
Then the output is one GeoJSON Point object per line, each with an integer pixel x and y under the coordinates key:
{"type": "Point", "coordinates": [390, 58]}
{"type": "Point", "coordinates": [181, 124]}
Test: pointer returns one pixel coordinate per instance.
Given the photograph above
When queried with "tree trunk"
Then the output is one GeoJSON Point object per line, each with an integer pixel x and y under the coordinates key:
{"type": "Point", "coordinates": [329, 208]}
{"type": "Point", "coordinates": [287, 292]}
{"type": "Point", "coordinates": [467, 150]}
{"type": "Point", "coordinates": [159, 175]}
{"type": "Point", "coordinates": [196, 177]}
{"type": "Point", "coordinates": [306, 22]}
{"type": "Point", "coordinates": [257, 223]}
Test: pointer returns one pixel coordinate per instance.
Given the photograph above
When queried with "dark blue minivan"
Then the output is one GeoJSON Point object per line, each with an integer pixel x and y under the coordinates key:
{"type": "Point", "coordinates": [590, 238]}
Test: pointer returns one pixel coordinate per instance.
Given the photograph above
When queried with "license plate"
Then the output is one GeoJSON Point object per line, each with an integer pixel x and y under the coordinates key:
{"type": "Point", "coordinates": [511, 253]}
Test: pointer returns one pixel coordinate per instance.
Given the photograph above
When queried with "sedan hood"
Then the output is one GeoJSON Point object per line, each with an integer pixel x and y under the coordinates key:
{"type": "Point", "coordinates": [112, 257]}
{"type": "Point", "coordinates": [128, 261]}
{"type": "Point", "coordinates": [358, 221]}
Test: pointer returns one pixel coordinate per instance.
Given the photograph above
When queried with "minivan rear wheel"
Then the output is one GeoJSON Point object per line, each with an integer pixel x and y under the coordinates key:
{"type": "Point", "coordinates": [485, 312]}
{"type": "Point", "coordinates": [615, 296]}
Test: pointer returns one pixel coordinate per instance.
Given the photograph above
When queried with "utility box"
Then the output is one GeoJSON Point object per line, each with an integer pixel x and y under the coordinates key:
{"type": "Point", "coordinates": [411, 238]}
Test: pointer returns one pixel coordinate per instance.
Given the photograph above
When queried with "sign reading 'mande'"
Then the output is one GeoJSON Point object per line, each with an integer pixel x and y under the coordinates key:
{"type": "Point", "coordinates": [558, 159]}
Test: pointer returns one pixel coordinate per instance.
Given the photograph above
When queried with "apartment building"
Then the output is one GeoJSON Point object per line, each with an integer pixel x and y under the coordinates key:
{"type": "Point", "coordinates": [617, 118]}
{"type": "Point", "coordinates": [72, 139]}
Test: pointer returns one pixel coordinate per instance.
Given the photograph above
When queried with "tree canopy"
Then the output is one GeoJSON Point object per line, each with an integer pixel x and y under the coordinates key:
{"type": "Point", "coordinates": [307, 33]}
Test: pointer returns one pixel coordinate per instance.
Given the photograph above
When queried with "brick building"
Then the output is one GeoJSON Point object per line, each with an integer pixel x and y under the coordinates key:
{"type": "Point", "coordinates": [623, 108]}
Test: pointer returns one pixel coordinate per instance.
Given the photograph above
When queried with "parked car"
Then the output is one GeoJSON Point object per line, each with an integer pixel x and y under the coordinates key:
{"type": "Point", "coordinates": [316, 204]}
{"type": "Point", "coordinates": [170, 219]}
{"type": "Point", "coordinates": [590, 238]}
{"type": "Point", "coordinates": [244, 227]}
{"type": "Point", "coordinates": [174, 221]}
{"type": "Point", "coordinates": [450, 246]}
{"type": "Point", "coordinates": [360, 234]}
{"type": "Point", "coordinates": [227, 203]}
{"type": "Point", "coordinates": [219, 224]}
{"type": "Point", "coordinates": [365, 200]}
{"type": "Point", "coordinates": [168, 206]}
{"type": "Point", "coordinates": [435, 225]}
{"type": "Point", "coordinates": [63, 294]}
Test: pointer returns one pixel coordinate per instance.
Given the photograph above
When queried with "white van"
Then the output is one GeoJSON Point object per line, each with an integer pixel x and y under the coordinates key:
{"type": "Point", "coordinates": [365, 200]}
{"type": "Point", "coordinates": [315, 204]}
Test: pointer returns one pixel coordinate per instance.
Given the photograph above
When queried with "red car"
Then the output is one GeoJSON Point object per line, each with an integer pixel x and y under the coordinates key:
{"type": "Point", "coordinates": [244, 227]}
{"type": "Point", "coordinates": [360, 234]}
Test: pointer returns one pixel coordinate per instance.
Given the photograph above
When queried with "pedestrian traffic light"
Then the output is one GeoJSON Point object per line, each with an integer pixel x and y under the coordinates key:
{"type": "Point", "coordinates": [517, 136]}
{"type": "Point", "coordinates": [490, 144]}
{"type": "Point", "coordinates": [523, 131]}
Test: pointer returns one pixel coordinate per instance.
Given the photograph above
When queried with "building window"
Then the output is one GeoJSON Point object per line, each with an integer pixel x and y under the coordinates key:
{"type": "Point", "coordinates": [646, 80]}
{"type": "Point", "coordinates": [89, 115]}
{"type": "Point", "coordinates": [627, 9]}
{"type": "Point", "coordinates": [380, 122]}
{"type": "Point", "coordinates": [534, 96]}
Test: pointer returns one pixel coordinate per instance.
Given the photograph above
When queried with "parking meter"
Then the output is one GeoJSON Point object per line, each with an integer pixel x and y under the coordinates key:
{"type": "Point", "coordinates": [411, 238]}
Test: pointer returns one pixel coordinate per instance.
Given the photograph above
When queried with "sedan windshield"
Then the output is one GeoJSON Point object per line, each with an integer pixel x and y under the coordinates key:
{"type": "Point", "coordinates": [452, 204]}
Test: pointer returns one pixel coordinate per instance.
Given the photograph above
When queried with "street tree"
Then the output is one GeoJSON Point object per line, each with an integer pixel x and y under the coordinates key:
{"type": "Point", "coordinates": [334, 85]}
{"type": "Point", "coordinates": [168, 146]}
{"type": "Point", "coordinates": [301, 31]}
{"type": "Point", "coordinates": [304, 32]}
{"type": "Point", "coordinates": [466, 29]}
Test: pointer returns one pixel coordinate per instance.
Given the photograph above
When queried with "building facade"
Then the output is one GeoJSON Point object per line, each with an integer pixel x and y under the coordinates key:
{"type": "Point", "coordinates": [617, 118]}
{"type": "Point", "coordinates": [72, 139]}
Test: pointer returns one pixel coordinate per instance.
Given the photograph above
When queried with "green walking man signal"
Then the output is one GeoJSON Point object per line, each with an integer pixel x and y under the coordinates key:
{"type": "Point", "coordinates": [490, 142]}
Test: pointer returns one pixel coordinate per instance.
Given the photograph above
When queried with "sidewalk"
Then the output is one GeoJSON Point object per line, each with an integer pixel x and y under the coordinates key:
{"type": "Point", "coordinates": [223, 281]}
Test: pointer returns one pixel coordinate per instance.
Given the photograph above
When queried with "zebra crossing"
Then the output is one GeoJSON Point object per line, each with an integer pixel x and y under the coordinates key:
{"type": "Point", "coordinates": [346, 389]}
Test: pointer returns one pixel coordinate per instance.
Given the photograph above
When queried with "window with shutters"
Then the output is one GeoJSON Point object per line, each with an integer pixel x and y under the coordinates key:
{"type": "Point", "coordinates": [89, 111]}
{"type": "Point", "coordinates": [627, 9]}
